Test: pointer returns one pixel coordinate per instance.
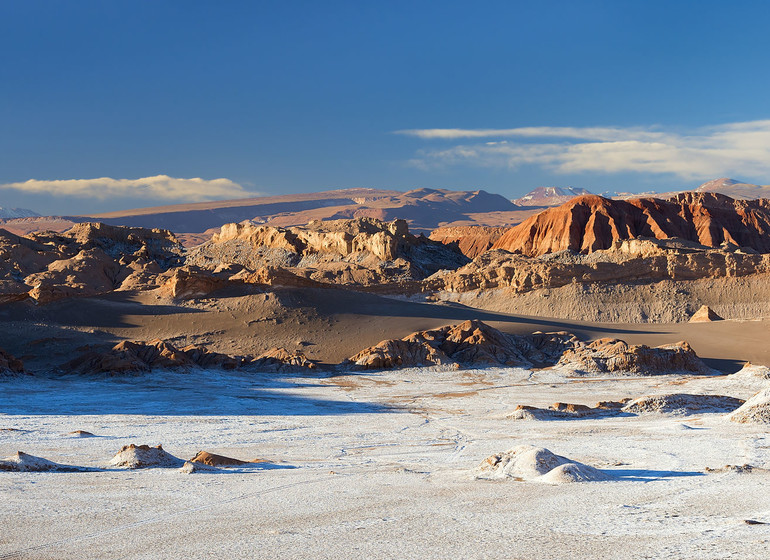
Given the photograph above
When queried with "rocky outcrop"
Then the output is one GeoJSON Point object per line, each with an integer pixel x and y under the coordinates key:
{"type": "Point", "coordinates": [10, 365]}
{"type": "Point", "coordinates": [361, 252]}
{"type": "Point", "coordinates": [612, 356]}
{"type": "Point", "coordinates": [277, 276]}
{"type": "Point", "coordinates": [474, 343]}
{"type": "Point", "coordinates": [705, 315]}
{"type": "Point", "coordinates": [89, 259]}
{"type": "Point", "coordinates": [682, 403]}
{"type": "Point", "coordinates": [670, 403]}
{"type": "Point", "coordinates": [592, 223]}
{"type": "Point", "coordinates": [278, 359]}
{"type": "Point", "coordinates": [136, 357]}
{"type": "Point", "coordinates": [629, 261]}
{"type": "Point", "coordinates": [471, 240]}
{"type": "Point", "coordinates": [563, 411]}
{"type": "Point", "coordinates": [191, 282]}
{"type": "Point", "coordinates": [90, 272]}
{"type": "Point", "coordinates": [469, 343]}
{"type": "Point", "coordinates": [341, 237]}
{"type": "Point", "coordinates": [133, 357]}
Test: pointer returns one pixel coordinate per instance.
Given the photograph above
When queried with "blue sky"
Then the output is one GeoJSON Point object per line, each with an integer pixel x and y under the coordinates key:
{"type": "Point", "coordinates": [280, 97]}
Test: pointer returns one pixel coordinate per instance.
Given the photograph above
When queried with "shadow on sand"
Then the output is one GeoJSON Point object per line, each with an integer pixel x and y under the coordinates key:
{"type": "Point", "coordinates": [648, 475]}
{"type": "Point", "coordinates": [196, 393]}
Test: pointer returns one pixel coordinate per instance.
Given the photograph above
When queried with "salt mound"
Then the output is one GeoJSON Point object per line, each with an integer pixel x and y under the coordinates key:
{"type": "Point", "coordinates": [143, 456]}
{"type": "Point", "coordinates": [81, 433]}
{"type": "Point", "coordinates": [574, 472]}
{"type": "Point", "coordinates": [523, 462]}
{"type": "Point", "coordinates": [213, 460]}
{"type": "Point", "coordinates": [682, 403]}
{"type": "Point", "coordinates": [756, 410]}
{"type": "Point", "coordinates": [23, 462]}
{"type": "Point", "coordinates": [705, 315]}
{"type": "Point", "coordinates": [191, 467]}
{"type": "Point", "coordinates": [751, 371]}
{"type": "Point", "coordinates": [527, 462]}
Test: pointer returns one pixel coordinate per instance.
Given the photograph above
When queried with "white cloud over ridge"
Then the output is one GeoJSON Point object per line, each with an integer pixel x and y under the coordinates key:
{"type": "Point", "coordinates": [729, 149]}
{"type": "Point", "coordinates": [160, 187]}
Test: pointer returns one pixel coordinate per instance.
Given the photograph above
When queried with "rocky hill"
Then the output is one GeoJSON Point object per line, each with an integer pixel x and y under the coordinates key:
{"type": "Point", "coordinates": [474, 343]}
{"type": "Point", "coordinates": [591, 223]}
{"type": "Point", "coordinates": [362, 251]}
{"type": "Point", "coordinates": [88, 259]}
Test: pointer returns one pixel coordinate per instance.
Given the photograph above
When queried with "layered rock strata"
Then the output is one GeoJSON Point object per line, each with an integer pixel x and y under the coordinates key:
{"type": "Point", "coordinates": [633, 261]}
{"type": "Point", "coordinates": [592, 223]}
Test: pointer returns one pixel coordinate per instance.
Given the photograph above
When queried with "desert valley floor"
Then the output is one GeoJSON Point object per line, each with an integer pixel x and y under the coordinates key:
{"type": "Point", "coordinates": [378, 464]}
{"type": "Point", "coordinates": [589, 383]}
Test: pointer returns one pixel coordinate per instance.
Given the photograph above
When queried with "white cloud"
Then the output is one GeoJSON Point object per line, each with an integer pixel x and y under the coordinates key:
{"type": "Point", "coordinates": [730, 149]}
{"type": "Point", "coordinates": [157, 187]}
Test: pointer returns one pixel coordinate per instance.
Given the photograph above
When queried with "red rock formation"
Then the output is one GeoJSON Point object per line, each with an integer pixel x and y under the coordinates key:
{"type": "Point", "coordinates": [471, 240]}
{"type": "Point", "coordinates": [214, 460]}
{"type": "Point", "coordinates": [591, 223]}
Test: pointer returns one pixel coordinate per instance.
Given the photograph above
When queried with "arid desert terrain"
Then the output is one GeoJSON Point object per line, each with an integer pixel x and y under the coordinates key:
{"type": "Point", "coordinates": [367, 373]}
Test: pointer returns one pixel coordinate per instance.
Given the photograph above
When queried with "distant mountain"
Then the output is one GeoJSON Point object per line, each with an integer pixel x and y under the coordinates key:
{"type": "Point", "coordinates": [424, 209]}
{"type": "Point", "coordinates": [735, 189]}
{"type": "Point", "coordinates": [13, 213]}
{"type": "Point", "coordinates": [549, 196]}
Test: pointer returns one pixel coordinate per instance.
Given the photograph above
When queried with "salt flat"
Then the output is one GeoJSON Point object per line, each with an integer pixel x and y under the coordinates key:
{"type": "Point", "coordinates": [376, 465]}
